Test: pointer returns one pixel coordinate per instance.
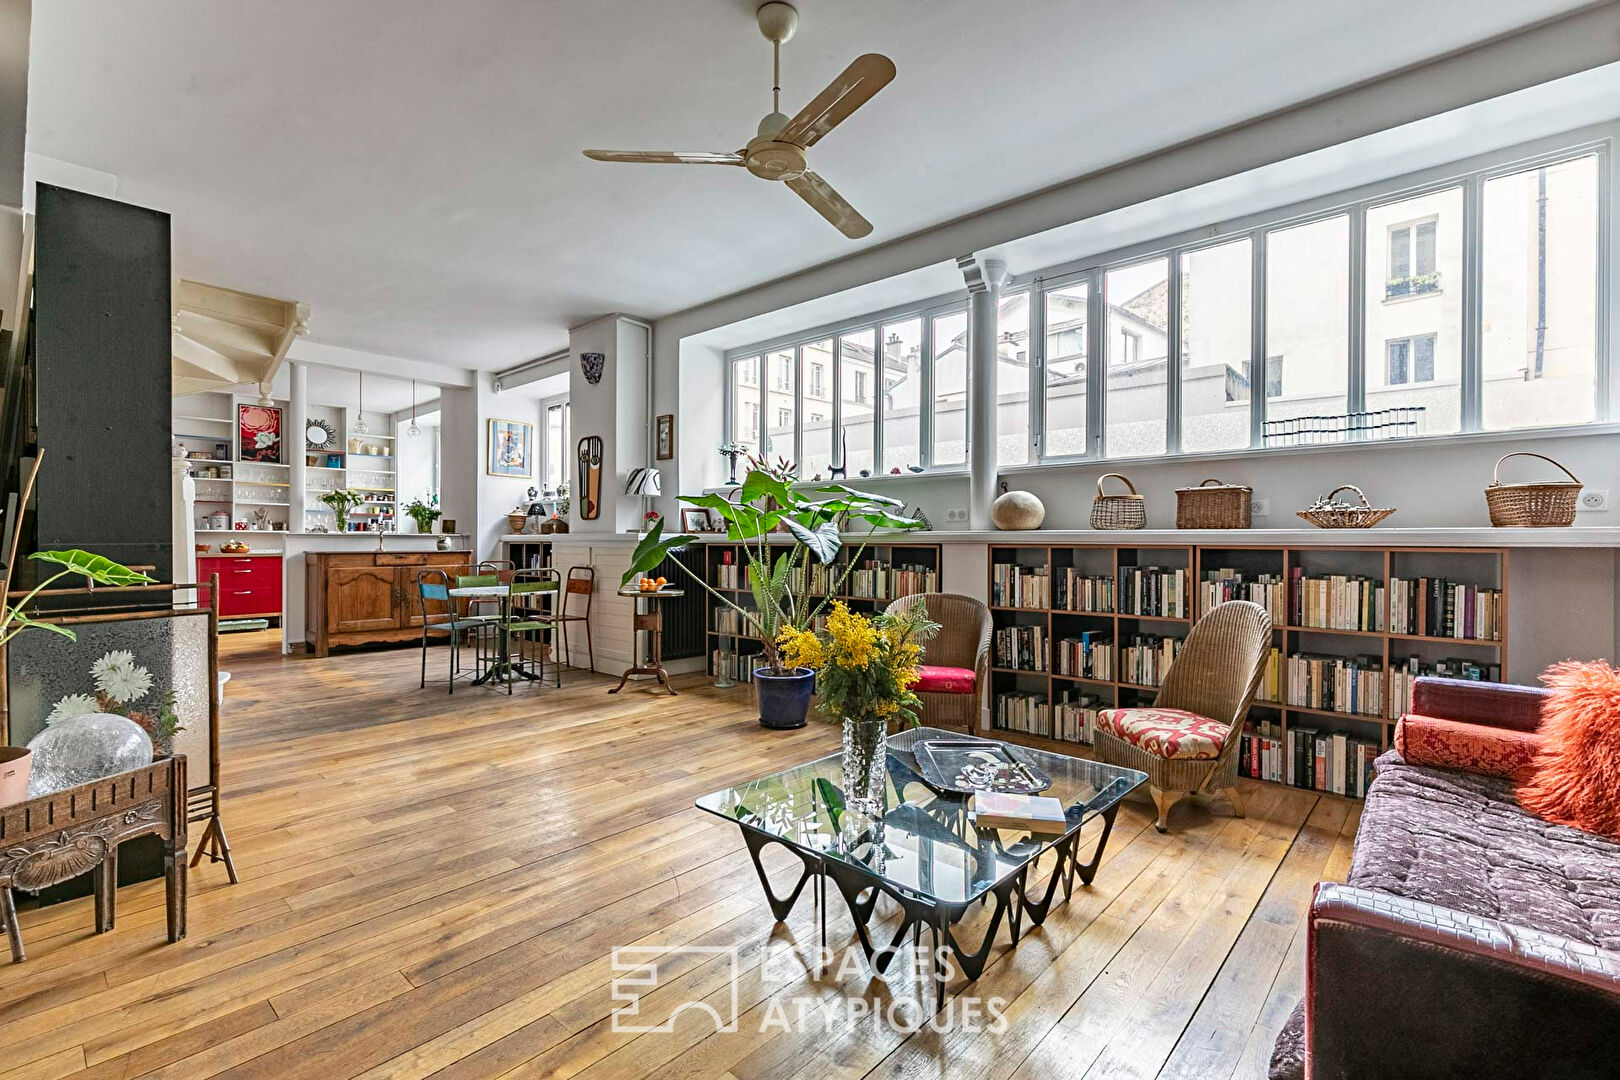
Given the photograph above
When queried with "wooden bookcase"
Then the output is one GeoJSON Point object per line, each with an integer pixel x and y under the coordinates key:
{"type": "Point", "coordinates": [1379, 566]}
{"type": "Point", "coordinates": [889, 555]}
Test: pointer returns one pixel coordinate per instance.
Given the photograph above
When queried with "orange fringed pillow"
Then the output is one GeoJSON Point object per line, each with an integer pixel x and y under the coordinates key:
{"type": "Point", "coordinates": [1576, 780]}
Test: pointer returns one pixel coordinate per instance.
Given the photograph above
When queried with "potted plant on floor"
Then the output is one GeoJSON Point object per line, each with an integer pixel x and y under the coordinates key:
{"type": "Point", "coordinates": [779, 565]}
{"type": "Point", "coordinates": [867, 667]}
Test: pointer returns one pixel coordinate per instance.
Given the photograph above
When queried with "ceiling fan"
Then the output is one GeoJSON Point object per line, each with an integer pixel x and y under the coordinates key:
{"type": "Point", "coordinates": [777, 152]}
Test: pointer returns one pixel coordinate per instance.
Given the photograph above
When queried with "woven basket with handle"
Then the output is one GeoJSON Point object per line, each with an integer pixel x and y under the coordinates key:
{"type": "Point", "coordinates": [1545, 504]}
{"type": "Point", "coordinates": [1327, 514]}
{"type": "Point", "coordinates": [1118, 511]}
{"type": "Point", "coordinates": [1224, 506]}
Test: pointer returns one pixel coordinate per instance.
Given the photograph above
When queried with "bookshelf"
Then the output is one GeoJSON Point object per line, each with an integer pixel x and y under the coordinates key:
{"type": "Point", "coordinates": [884, 572]}
{"type": "Point", "coordinates": [1375, 617]}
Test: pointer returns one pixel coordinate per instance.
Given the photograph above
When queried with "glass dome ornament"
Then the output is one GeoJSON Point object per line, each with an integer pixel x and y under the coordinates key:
{"type": "Point", "coordinates": [85, 748]}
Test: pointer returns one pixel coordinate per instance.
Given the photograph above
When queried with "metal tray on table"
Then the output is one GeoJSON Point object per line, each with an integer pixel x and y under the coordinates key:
{"type": "Point", "coordinates": [964, 765]}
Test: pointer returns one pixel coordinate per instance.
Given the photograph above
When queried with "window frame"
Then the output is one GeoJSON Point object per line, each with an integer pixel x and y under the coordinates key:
{"type": "Point", "coordinates": [1470, 174]}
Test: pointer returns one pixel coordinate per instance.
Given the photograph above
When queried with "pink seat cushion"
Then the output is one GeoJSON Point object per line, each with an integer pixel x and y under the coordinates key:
{"type": "Point", "coordinates": [932, 678]}
{"type": "Point", "coordinates": [1166, 733]}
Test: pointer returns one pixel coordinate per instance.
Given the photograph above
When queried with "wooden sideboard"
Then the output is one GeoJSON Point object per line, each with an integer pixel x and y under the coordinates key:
{"type": "Point", "coordinates": [355, 598]}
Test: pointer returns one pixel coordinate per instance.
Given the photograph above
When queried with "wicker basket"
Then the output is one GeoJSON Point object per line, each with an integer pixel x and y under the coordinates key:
{"type": "Point", "coordinates": [1118, 511]}
{"type": "Point", "coordinates": [1327, 514]}
{"type": "Point", "coordinates": [1224, 506]}
{"type": "Point", "coordinates": [1548, 504]}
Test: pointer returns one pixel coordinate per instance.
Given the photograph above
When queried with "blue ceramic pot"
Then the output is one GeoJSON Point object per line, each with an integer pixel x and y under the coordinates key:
{"type": "Point", "coordinates": [784, 700]}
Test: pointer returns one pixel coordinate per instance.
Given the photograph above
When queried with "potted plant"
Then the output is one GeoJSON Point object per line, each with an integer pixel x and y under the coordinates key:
{"type": "Point", "coordinates": [340, 502]}
{"type": "Point", "coordinates": [867, 667]}
{"type": "Point", "coordinates": [15, 761]}
{"type": "Point", "coordinates": [778, 573]}
{"type": "Point", "coordinates": [423, 512]}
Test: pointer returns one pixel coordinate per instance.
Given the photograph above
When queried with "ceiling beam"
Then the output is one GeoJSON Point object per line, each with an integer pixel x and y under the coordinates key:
{"type": "Point", "coordinates": [304, 351]}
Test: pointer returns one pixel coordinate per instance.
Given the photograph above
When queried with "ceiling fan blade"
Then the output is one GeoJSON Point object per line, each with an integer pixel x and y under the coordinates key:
{"type": "Point", "coordinates": [855, 87]}
{"type": "Point", "coordinates": [666, 157]}
{"type": "Point", "coordinates": [830, 205]}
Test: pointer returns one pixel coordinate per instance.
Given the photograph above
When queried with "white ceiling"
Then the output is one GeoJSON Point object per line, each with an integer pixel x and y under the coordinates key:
{"type": "Point", "coordinates": [411, 168]}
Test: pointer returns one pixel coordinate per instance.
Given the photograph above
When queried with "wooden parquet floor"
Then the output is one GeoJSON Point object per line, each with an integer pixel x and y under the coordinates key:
{"type": "Point", "coordinates": [432, 884]}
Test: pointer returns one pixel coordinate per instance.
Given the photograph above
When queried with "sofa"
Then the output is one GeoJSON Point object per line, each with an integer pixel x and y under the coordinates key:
{"type": "Point", "coordinates": [1472, 938]}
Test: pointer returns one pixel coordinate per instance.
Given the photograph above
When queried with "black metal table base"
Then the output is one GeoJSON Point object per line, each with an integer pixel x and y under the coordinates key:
{"type": "Point", "coordinates": [860, 889]}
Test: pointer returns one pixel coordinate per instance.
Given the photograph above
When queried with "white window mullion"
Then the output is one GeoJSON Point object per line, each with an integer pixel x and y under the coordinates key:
{"type": "Point", "coordinates": [1037, 372]}
{"type": "Point", "coordinates": [835, 456]}
{"type": "Point", "coordinates": [1258, 368]}
{"type": "Point", "coordinates": [1096, 366]}
{"type": "Point", "coordinates": [1172, 355]}
{"type": "Point", "coordinates": [1473, 324]}
{"type": "Point", "coordinates": [1356, 398]}
{"type": "Point", "coordinates": [798, 403]}
{"type": "Point", "coordinates": [925, 391]}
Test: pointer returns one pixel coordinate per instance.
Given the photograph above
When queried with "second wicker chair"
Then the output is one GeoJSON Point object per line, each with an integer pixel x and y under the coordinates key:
{"type": "Point", "coordinates": [1187, 740]}
{"type": "Point", "coordinates": [956, 672]}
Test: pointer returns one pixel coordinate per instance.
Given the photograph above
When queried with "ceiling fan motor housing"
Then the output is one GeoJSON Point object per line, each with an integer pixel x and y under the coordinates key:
{"type": "Point", "coordinates": [771, 160]}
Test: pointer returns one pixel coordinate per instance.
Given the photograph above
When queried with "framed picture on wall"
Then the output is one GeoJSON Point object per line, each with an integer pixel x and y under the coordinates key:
{"type": "Point", "coordinates": [511, 448]}
{"type": "Point", "coordinates": [664, 436]}
{"type": "Point", "coordinates": [695, 519]}
{"type": "Point", "coordinates": [258, 432]}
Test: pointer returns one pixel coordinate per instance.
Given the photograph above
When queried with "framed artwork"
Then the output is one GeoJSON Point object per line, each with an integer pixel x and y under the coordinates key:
{"type": "Point", "coordinates": [695, 519]}
{"type": "Point", "coordinates": [258, 432]}
{"type": "Point", "coordinates": [511, 448]}
{"type": "Point", "coordinates": [664, 436]}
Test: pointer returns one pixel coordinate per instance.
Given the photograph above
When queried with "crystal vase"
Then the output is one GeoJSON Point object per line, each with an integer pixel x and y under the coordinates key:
{"type": "Point", "coordinates": [865, 765]}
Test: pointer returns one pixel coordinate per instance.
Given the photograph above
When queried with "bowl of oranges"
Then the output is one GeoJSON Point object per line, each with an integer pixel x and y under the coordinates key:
{"type": "Point", "coordinates": [651, 585]}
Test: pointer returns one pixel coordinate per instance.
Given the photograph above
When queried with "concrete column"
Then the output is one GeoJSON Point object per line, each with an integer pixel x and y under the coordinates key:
{"type": "Point", "coordinates": [984, 278]}
{"type": "Point", "coordinates": [293, 434]}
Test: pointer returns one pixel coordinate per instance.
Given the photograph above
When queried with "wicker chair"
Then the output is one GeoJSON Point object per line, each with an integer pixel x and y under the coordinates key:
{"type": "Point", "coordinates": [963, 643]}
{"type": "Point", "coordinates": [1213, 679]}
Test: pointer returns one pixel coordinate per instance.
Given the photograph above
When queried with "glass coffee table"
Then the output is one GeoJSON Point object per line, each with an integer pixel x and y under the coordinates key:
{"type": "Point", "coordinates": [925, 853]}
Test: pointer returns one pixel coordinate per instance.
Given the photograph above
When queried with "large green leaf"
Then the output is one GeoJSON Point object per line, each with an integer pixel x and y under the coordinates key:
{"type": "Point", "coordinates": [653, 549]}
{"type": "Point", "coordinates": [15, 622]}
{"type": "Point", "coordinates": [884, 520]}
{"type": "Point", "coordinates": [762, 485]}
{"type": "Point", "coordinates": [831, 797]}
{"type": "Point", "coordinates": [98, 568]}
{"type": "Point", "coordinates": [849, 492]}
{"type": "Point", "coordinates": [822, 541]}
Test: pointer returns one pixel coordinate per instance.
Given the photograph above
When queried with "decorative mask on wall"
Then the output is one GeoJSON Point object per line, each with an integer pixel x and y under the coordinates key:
{"type": "Point", "coordinates": [592, 364]}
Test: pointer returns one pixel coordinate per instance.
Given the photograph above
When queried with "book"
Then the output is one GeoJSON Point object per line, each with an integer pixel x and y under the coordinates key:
{"type": "Point", "coordinates": [1008, 810]}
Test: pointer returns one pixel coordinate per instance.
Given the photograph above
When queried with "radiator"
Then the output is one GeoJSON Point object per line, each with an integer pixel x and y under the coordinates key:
{"type": "Point", "coordinates": [683, 615]}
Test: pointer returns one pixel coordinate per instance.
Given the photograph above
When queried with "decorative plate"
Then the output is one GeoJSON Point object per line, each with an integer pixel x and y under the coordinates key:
{"type": "Point", "coordinates": [319, 435]}
{"type": "Point", "coordinates": [963, 766]}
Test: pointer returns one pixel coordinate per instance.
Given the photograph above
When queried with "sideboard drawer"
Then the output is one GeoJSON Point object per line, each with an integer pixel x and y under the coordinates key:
{"type": "Point", "coordinates": [251, 601]}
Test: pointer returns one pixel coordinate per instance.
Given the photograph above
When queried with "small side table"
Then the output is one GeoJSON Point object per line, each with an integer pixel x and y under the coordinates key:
{"type": "Point", "coordinates": [649, 617]}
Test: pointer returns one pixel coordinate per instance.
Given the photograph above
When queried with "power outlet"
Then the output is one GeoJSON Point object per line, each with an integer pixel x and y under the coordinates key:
{"type": "Point", "coordinates": [1595, 500]}
{"type": "Point", "coordinates": [1260, 508]}
{"type": "Point", "coordinates": [956, 513]}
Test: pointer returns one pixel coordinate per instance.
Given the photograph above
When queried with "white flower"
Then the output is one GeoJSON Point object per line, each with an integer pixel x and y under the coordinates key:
{"type": "Point", "coordinates": [73, 705]}
{"type": "Point", "coordinates": [263, 439]}
{"type": "Point", "coordinates": [117, 675]}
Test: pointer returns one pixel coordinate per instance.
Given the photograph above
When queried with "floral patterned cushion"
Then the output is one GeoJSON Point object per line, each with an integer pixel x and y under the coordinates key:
{"type": "Point", "coordinates": [1167, 733]}
{"type": "Point", "coordinates": [933, 678]}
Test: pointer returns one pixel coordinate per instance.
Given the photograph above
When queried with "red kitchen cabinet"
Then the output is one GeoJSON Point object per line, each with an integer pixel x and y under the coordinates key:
{"type": "Point", "coordinates": [249, 585]}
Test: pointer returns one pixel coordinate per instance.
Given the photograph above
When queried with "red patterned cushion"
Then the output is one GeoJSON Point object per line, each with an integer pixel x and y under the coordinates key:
{"type": "Point", "coordinates": [1475, 748]}
{"type": "Point", "coordinates": [1167, 733]}
{"type": "Point", "coordinates": [944, 680]}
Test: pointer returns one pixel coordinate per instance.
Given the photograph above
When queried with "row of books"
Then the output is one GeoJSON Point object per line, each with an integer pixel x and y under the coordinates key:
{"type": "Point", "coordinates": [1071, 718]}
{"type": "Point", "coordinates": [1076, 591]}
{"type": "Point", "coordinates": [1403, 673]}
{"type": "Point", "coordinates": [1089, 656]}
{"type": "Point", "coordinates": [874, 579]}
{"type": "Point", "coordinates": [1270, 591]}
{"type": "Point", "coordinates": [1336, 601]}
{"type": "Point", "coordinates": [1021, 647]}
{"type": "Point", "coordinates": [1437, 607]}
{"type": "Point", "coordinates": [1145, 658]}
{"type": "Point", "coordinates": [1346, 684]}
{"type": "Point", "coordinates": [1154, 590]}
{"type": "Point", "coordinates": [1012, 585]}
{"type": "Point", "coordinates": [1306, 757]}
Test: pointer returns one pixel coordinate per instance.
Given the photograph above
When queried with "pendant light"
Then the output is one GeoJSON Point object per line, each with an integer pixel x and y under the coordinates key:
{"type": "Point", "coordinates": [360, 427]}
{"type": "Point", "coordinates": [413, 431]}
